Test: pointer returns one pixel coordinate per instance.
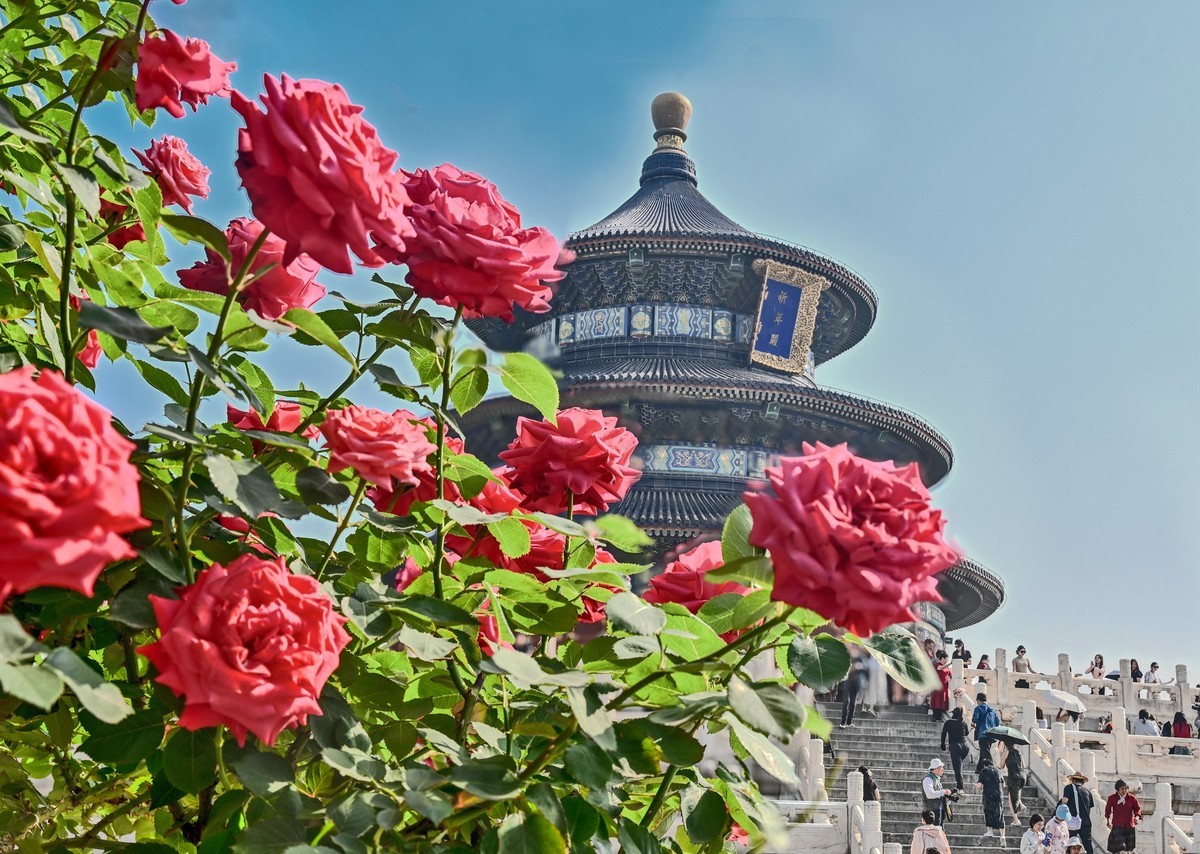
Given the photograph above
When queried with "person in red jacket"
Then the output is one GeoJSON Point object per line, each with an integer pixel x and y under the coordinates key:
{"type": "Point", "coordinates": [1122, 812]}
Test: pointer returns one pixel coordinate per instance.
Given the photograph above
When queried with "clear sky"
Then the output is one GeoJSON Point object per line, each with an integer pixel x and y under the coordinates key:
{"type": "Point", "coordinates": [1019, 182]}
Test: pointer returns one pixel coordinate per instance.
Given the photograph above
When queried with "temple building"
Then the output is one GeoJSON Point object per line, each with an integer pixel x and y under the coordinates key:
{"type": "Point", "coordinates": [704, 338]}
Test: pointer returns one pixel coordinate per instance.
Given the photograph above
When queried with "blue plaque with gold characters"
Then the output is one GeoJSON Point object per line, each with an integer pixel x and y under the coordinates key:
{"type": "Point", "coordinates": [787, 316]}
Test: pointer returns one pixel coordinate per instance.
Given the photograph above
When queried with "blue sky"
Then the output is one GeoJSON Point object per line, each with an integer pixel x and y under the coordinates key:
{"type": "Point", "coordinates": [1019, 182]}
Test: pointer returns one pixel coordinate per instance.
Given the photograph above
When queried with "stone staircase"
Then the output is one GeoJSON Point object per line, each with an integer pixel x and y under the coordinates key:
{"type": "Point", "coordinates": [897, 746]}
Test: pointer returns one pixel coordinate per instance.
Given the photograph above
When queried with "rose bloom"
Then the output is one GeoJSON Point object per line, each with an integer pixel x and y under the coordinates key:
{"type": "Point", "coordinates": [399, 498]}
{"type": "Point", "coordinates": [585, 453]}
{"type": "Point", "coordinates": [89, 356]}
{"type": "Point", "coordinates": [112, 212]}
{"type": "Point", "coordinates": [284, 418]}
{"type": "Point", "coordinates": [470, 249]}
{"type": "Point", "coordinates": [684, 580]}
{"type": "Point", "coordinates": [248, 646]}
{"type": "Point", "coordinates": [178, 173]}
{"type": "Point", "coordinates": [173, 71]}
{"type": "Point", "coordinates": [270, 294]}
{"type": "Point", "coordinates": [406, 574]}
{"type": "Point", "coordinates": [381, 448]}
{"type": "Point", "coordinates": [854, 540]}
{"type": "Point", "coordinates": [319, 177]}
{"type": "Point", "coordinates": [67, 489]}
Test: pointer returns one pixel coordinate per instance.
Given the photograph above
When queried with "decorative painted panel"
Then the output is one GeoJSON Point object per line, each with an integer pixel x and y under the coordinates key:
{"type": "Point", "coordinates": [704, 459]}
{"type": "Point", "coordinates": [641, 321]}
{"type": "Point", "coordinates": [644, 320]}
{"type": "Point", "coordinates": [745, 328]}
{"type": "Point", "coordinates": [722, 325]}
{"type": "Point", "coordinates": [787, 316]}
{"type": "Point", "coordinates": [600, 323]}
{"type": "Point", "coordinates": [566, 329]}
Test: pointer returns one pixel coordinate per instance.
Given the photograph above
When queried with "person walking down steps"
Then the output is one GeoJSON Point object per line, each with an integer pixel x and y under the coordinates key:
{"type": "Point", "coordinates": [1079, 801]}
{"type": "Point", "coordinates": [992, 785]}
{"type": "Point", "coordinates": [955, 732]}
{"type": "Point", "coordinates": [934, 795]}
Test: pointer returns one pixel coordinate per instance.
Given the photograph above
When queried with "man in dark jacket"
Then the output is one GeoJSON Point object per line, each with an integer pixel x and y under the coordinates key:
{"type": "Point", "coordinates": [983, 719]}
{"type": "Point", "coordinates": [1079, 801]}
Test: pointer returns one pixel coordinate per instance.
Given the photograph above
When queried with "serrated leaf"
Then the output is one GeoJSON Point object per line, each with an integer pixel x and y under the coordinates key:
{"type": "Point", "coordinates": [10, 123]}
{"type": "Point", "coordinates": [529, 380]}
{"type": "Point", "coordinates": [274, 835]}
{"type": "Point", "coordinates": [899, 653]}
{"type": "Point", "coordinates": [636, 839]}
{"type": "Point", "coordinates": [491, 779]}
{"type": "Point", "coordinates": [317, 329]}
{"type": "Point", "coordinates": [468, 388]}
{"type": "Point", "coordinates": [99, 697]}
{"type": "Point", "coordinates": [704, 815]}
{"type": "Point", "coordinates": [769, 757]}
{"type": "Point", "coordinates": [820, 663]}
{"type": "Point", "coordinates": [735, 534]}
{"type": "Point", "coordinates": [622, 533]}
{"type": "Point", "coordinates": [755, 570]}
{"type": "Point", "coordinates": [83, 185]}
{"type": "Point", "coordinates": [769, 708]}
{"type": "Point", "coordinates": [243, 483]}
{"type": "Point", "coordinates": [425, 646]}
{"type": "Point", "coordinates": [123, 323]}
{"type": "Point", "coordinates": [125, 742]}
{"type": "Point", "coordinates": [317, 486]}
{"type": "Point", "coordinates": [511, 535]}
{"type": "Point", "coordinates": [193, 229]}
{"type": "Point", "coordinates": [190, 759]}
{"type": "Point", "coordinates": [588, 765]}
{"type": "Point", "coordinates": [530, 833]}
{"type": "Point", "coordinates": [15, 642]}
{"type": "Point", "coordinates": [635, 615]}
{"type": "Point", "coordinates": [35, 685]}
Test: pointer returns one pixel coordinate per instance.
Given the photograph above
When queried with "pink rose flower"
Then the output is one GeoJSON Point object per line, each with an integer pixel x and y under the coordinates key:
{"type": "Point", "coordinates": [399, 498]}
{"type": "Point", "coordinates": [174, 71]}
{"type": "Point", "coordinates": [319, 177]}
{"type": "Point", "coordinates": [284, 418]}
{"type": "Point", "coordinates": [248, 646]}
{"type": "Point", "coordinates": [67, 489]}
{"type": "Point", "coordinates": [178, 173]}
{"type": "Point", "coordinates": [854, 540]}
{"type": "Point", "coordinates": [545, 551]}
{"type": "Point", "coordinates": [684, 581]}
{"type": "Point", "coordinates": [382, 448]}
{"type": "Point", "coordinates": [112, 212]}
{"type": "Point", "coordinates": [270, 294]}
{"type": "Point", "coordinates": [470, 249]}
{"type": "Point", "coordinates": [585, 453]}
{"type": "Point", "coordinates": [406, 574]}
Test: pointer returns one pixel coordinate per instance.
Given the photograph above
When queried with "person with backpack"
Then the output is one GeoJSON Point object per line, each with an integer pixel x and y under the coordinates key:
{"type": "Point", "coordinates": [1078, 800]}
{"type": "Point", "coordinates": [983, 719]}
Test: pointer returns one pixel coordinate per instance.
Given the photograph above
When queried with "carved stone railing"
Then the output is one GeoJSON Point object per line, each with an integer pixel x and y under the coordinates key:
{"type": "Point", "coordinates": [866, 821]}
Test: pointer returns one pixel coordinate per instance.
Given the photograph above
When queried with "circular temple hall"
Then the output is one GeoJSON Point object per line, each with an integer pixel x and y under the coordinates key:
{"type": "Point", "coordinates": [704, 339]}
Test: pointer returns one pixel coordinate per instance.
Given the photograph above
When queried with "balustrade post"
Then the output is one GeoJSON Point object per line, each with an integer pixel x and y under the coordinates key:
{"type": "Point", "coordinates": [872, 826]}
{"type": "Point", "coordinates": [1001, 668]}
{"type": "Point", "coordinates": [854, 788]}
{"type": "Point", "coordinates": [1058, 736]}
{"type": "Point", "coordinates": [956, 682]}
{"type": "Point", "coordinates": [816, 770]}
{"type": "Point", "coordinates": [1087, 765]}
{"type": "Point", "coordinates": [1184, 703]}
{"type": "Point", "coordinates": [1066, 679]}
{"type": "Point", "coordinates": [1194, 848]}
{"type": "Point", "coordinates": [893, 848]}
{"type": "Point", "coordinates": [1127, 692]}
{"type": "Point", "coordinates": [1121, 742]}
{"type": "Point", "coordinates": [1028, 717]}
{"type": "Point", "coordinates": [1162, 811]}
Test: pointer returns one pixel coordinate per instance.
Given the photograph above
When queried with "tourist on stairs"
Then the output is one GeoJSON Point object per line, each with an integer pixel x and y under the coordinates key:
{"type": "Point", "coordinates": [992, 785]}
{"type": "Point", "coordinates": [1079, 801]}
{"type": "Point", "coordinates": [1021, 664]}
{"type": "Point", "coordinates": [983, 719]}
{"type": "Point", "coordinates": [1014, 768]}
{"type": "Point", "coordinates": [1057, 832]}
{"type": "Point", "coordinates": [850, 687]}
{"type": "Point", "coordinates": [929, 837]}
{"type": "Point", "coordinates": [931, 788]}
{"type": "Point", "coordinates": [939, 700]}
{"type": "Point", "coordinates": [1121, 813]}
{"type": "Point", "coordinates": [954, 731]}
{"type": "Point", "coordinates": [1074, 845]}
{"type": "Point", "coordinates": [1032, 841]}
{"type": "Point", "coordinates": [1144, 725]}
{"type": "Point", "coordinates": [870, 788]}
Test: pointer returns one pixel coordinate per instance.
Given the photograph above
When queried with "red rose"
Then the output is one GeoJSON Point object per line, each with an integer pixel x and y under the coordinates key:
{"type": "Point", "coordinates": [470, 249]}
{"type": "Point", "coordinates": [319, 177]}
{"type": "Point", "coordinates": [174, 71]}
{"type": "Point", "coordinates": [270, 294]}
{"type": "Point", "coordinates": [684, 581]}
{"type": "Point", "coordinates": [399, 498]}
{"type": "Point", "coordinates": [112, 212]}
{"type": "Point", "coordinates": [89, 356]}
{"type": "Point", "coordinates": [488, 636]}
{"type": "Point", "coordinates": [249, 645]}
{"type": "Point", "coordinates": [406, 574]}
{"type": "Point", "coordinates": [585, 453]}
{"type": "Point", "coordinates": [284, 418]}
{"type": "Point", "coordinates": [381, 448]}
{"type": "Point", "coordinates": [854, 540]}
{"type": "Point", "coordinates": [67, 489]}
{"type": "Point", "coordinates": [545, 550]}
{"type": "Point", "coordinates": [178, 173]}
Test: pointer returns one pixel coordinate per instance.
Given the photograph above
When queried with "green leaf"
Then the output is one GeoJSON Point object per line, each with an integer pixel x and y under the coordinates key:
{"type": "Point", "coordinates": [12, 236]}
{"type": "Point", "coordinates": [192, 229]}
{"type": "Point", "coordinates": [15, 643]}
{"type": "Point", "coordinates": [529, 380]}
{"type": "Point", "coordinates": [530, 833]}
{"type": "Point", "coordinates": [622, 533]}
{"type": "Point", "coordinates": [35, 685]}
{"type": "Point", "coordinates": [162, 381]}
{"type": "Point", "coordinates": [10, 123]}
{"type": "Point", "coordinates": [755, 570]}
{"type": "Point", "coordinates": [752, 608]}
{"type": "Point", "coordinates": [83, 185]}
{"type": "Point", "coordinates": [819, 663]}
{"type": "Point", "coordinates": [275, 835]}
{"type": "Point", "coordinates": [123, 323]}
{"type": "Point", "coordinates": [546, 800]}
{"type": "Point", "coordinates": [99, 697]}
{"type": "Point", "coordinates": [317, 486]}
{"type": "Point", "coordinates": [317, 329]}
{"type": "Point", "coordinates": [425, 646]}
{"type": "Point", "coordinates": [523, 668]}
{"type": "Point", "coordinates": [491, 779]}
{"type": "Point", "coordinates": [132, 605]}
{"type": "Point", "coordinates": [636, 839]}
{"type": "Point", "coordinates": [593, 716]}
{"type": "Point", "coordinates": [768, 707]}
{"type": "Point", "coordinates": [735, 535]}
{"type": "Point", "coordinates": [436, 611]}
{"type": "Point", "coordinates": [633, 614]}
{"type": "Point", "coordinates": [583, 820]}
{"type": "Point", "coordinates": [588, 765]}
{"type": "Point", "coordinates": [190, 759]}
{"type": "Point", "coordinates": [718, 611]}
{"type": "Point", "coordinates": [511, 535]}
{"type": "Point", "coordinates": [433, 805]}
{"type": "Point", "coordinates": [704, 815]}
{"type": "Point", "coordinates": [468, 388]}
{"type": "Point", "coordinates": [898, 652]}
{"type": "Point", "coordinates": [243, 483]}
{"type": "Point", "coordinates": [769, 757]}
{"type": "Point", "coordinates": [125, 742]}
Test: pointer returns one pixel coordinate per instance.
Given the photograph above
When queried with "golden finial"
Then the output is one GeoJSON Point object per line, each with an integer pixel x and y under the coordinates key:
{"type": "Point", "coordinates": [671, 112]}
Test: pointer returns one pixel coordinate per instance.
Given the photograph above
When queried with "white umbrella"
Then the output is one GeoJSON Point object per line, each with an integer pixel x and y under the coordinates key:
{"type": "Point", "coordinates": [1062, 700]}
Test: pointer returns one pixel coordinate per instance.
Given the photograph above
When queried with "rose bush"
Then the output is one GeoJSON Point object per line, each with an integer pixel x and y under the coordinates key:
{"type": "Point", "coordinates": [218, 634]}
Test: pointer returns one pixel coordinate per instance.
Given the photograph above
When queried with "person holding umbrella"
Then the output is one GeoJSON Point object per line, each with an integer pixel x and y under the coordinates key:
{"type": "Point", "coordinates": [1079, 802]}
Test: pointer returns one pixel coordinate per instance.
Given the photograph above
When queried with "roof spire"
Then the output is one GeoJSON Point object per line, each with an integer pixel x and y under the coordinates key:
{"type": "Point", "coordinates": [670, 112]}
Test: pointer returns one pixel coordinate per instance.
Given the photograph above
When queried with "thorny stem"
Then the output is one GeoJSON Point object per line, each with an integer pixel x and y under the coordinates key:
{"type": "Point", "coordinates": [341, 528]}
